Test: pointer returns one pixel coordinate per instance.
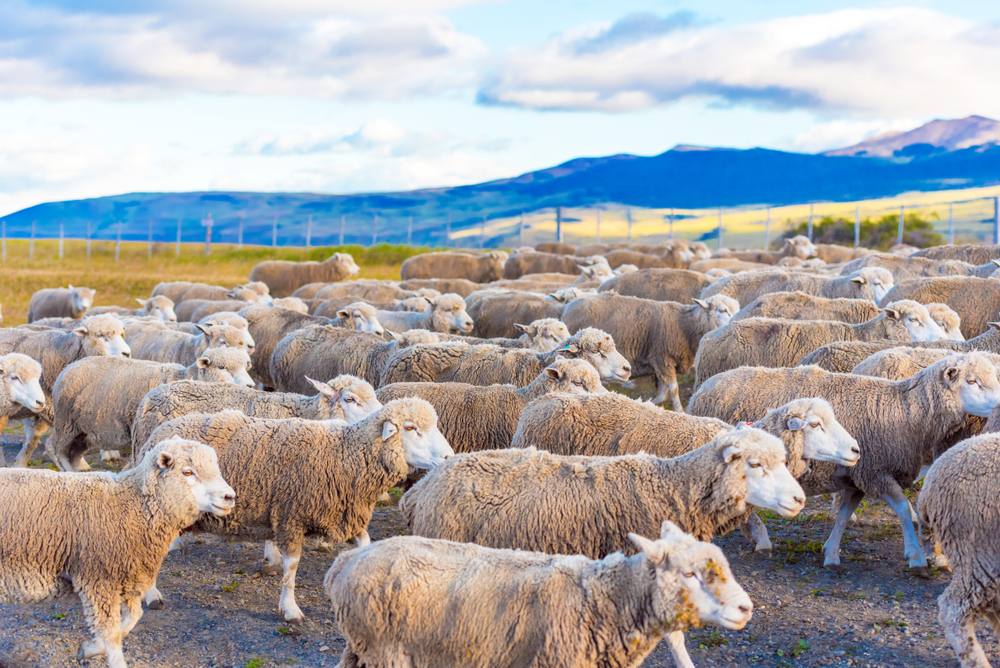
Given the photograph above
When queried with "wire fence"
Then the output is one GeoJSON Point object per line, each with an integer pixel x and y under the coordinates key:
{"type": "Point", "coordinates": [974, 219]}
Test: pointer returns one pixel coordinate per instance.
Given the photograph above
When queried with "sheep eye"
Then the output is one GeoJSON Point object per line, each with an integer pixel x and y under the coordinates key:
{"type": "Point", "coordinates": [971, 381]}
{"type": "Point", "coordinates": [689, 575]}
{"type": "Point", "coordinates": [913, 318]}
{"type": "Point", "coordinates": [814, 424]}
{"type": "Point", "coordinates": [578, 382]}
{"type": "Point", "coordinates": [754, 465]}
{"type": "Point", "coordinates": [409, 428]}
{"type": "Point", "coordinates": [349, 400]}
{"type": "Point", "coordinates": [188, 472]}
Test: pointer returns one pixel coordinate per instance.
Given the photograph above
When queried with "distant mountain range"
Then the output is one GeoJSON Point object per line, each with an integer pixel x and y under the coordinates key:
{"type": "Point", "coordinates": [939, 155]}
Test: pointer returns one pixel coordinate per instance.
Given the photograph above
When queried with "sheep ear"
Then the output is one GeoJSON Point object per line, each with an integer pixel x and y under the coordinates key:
{"type": "Point", "coordinates": [164, 460]}
{"type": "Point", "coordinates": [142, 302]}
{"type": "Point", "coordinates": [700, 302]}
{"type": "Point", "coordinates": [655, 552]}
{"type": "Point", "coordinates": [392, 336]}
{"type": "Point", "coordinates": [325, 389]}
{"type": "Point", "coordinates": [669, 530]}
{"type": "Point", "coordinates": [795, 423]}
{"type": "Point", "coordinates": [859, 279]}
{"type": "Point", "coordinates": [731, 452]}
{"type": "Point", "coordinates": [525, 329]}
{"type": "Point", "coordinates": [429, 300]}
{"type": "Point", "coordinates": [994, 325]}
{"type": "Point", "coordinates": [951, 374]}
{"type": "Point", "coordinates": [201, 328]}
{"type": "Point", "coordinates": [553, 372]}
{"type": "Point", "coordinates": [204, 362]}
{"type": "Point", "coordinates": [80, 331]}
{"type": "Point", "coordinates": [232, 293]}
{"type": "Point", "coordinates": [175, 437]}
{"type": "Point", "coordinates": [71, 286]}
{"type": "Point", "coordinates": [343, 314]}
{"type": "Point", "coordinates": [573, 348]}
{"type": "Point", "coordinates": [388, 429]}
{"type": "Point", "coordinates": [996, 262]}
{"type": "Point", "coordinates": [892, 313]}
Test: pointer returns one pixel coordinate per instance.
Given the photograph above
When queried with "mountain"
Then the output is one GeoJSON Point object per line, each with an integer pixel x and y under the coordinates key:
{"type": "Point", "coordinates": [683, 177]}
{"type": "Point", "coordinates": [935, 137]}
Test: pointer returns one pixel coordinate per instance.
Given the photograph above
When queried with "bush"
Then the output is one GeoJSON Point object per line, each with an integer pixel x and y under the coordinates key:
{"type": "Point", "coordinates": [876, 234]}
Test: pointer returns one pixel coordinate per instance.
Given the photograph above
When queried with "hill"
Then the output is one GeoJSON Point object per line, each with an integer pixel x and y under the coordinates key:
{"type": "Point", "coordinates": [938, 136]}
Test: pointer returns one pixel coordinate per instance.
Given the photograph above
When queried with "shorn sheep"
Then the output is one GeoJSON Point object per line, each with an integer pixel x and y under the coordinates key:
{"type": "Point", "coordinates": [297, 478]}
{"type": "Point", "coordinates": [465, 605]}
{"type": "Point", "coordinates": [475, 418]}
{"type": "Point", "coordinates": [534, 500]}
{"type": "Point", "coordinates": [85, 417]}
{"type": "Point", "coordinates": [283, 277]}
{"type": "Point", "coordinates": [898, 425]}
{"type": "Point", "coordinates": [657, 338]}
{"type": "Point", "coordinates": [958, 507]}
{"type": "Point", "coordinates": [110, 559]}
{"type": "Point", "coordinates": [60, 303]}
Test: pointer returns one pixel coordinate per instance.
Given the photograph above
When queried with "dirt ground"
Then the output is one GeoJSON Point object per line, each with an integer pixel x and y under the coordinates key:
{"type": "Point", "coordinates": [221, 611]}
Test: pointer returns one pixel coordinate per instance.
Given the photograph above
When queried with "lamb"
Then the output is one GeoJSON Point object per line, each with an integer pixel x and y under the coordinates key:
{"type": "Point", "coordinates": [798, 246]}
{"type": "Point", "coordinates": [898, 425]}
{"type": "Point", "coordinates": [474, 418]}
{"type": "Point", "coordinates": [490, 365]}
{"type": "Point", "coordinates": [343, 398]}
{"type": "Point", "coordinates": [971, 253]}
{"type": "Point", "coordinates": [164, 345]}
{"type": "Point", "coordinates": [85, 418]}
{"type": "Point", "coordinates": [801, 306]}
{"type": "Point", "coordinates": [154, 307]}
{"type": "Point", "coordinates": [110, 559]}
{"type": "Point", "coordinates": [536, 263]}
{"type": "Point", "coordinates": [958, 506]}
{"type": "Point", "coordinates": [903, 268]}
{"type": "Point", "coordinates": [445, 314]}
{"type": "Point", "coordinates": [975, 300]}
{"type": "Point", "coordinates": [765, 342]}
{"type": "Point", "coordinates": [534, 500]}
{"type": "Point", "coordinates": [519, 608]}
{"type": "Point", "coordinates": [497, 314]}
{"type": "Point", "coordinates": [658, 338]}
{"type": "Point", "coordinates": [326, 352]}
{"type": "Point", "coordinates": [283, 277]}
{"type": "Point", "coordinates": [20, 388]}
{"type": "Point", "coordinates": [870, 283]}
{"type": "Point", "coordinates": [268, 326]}
{"type": "Point", "coordinates": [99, 335]}
{"type": "Point", "coordinates": [338, 472]}
{"type": "Point", "coordinates": [475, 268]}
{"type": "Point", "coordinates": [458, 286]}
{"type": "Point", "coordinates": [673, 285]}
{"type": "Point", "coordinates": [60, 303]}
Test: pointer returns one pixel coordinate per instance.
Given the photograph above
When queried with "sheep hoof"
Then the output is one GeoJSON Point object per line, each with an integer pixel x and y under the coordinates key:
{"type": "Point", "coordinates": [271, 569]}
{"type": "Point", "coordinates": [89, 649]}
{"type": "Point", "coordinates": [296, 619]}
{"type": "Point", "coordinates": [156, 604]}
{"type": "Point", "coordinates": [920, 571]}
{"type": "Point", "coordinates": [836, 568]}
{"type": "Point", "coordinates": [764, 552]}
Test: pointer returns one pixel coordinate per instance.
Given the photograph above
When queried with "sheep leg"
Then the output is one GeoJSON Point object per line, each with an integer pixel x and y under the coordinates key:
{"type": "Point", "coordinates": [3, 425]}
{"type": "Point", "coordinates": [154, 599]}
{"type": "Point", "coordinates": [666, 381]}
{"type": "Point", "coordinates": [104, 617]}
{"type": "Point", "coordinates": [273, 558]}
{"type": "Point", "coordinates": [349, 659]}
{"type": "Point", "coordinates": [911, 545]}
{"type": "Point", "coordinates": [286, 605]}
{"type": "Point", "coordinates": [756, 532]}
{"type": "Point", "coordinates": [958, 621]}
{"type": "Point", "coordinates": [929, 545]}
{"type": "Point", "coordinates": [849, 501]}
{"type": "Point", "coordinates": [132, 614]}
{"type": "Point", "coordinates": [679, 652]}
{"type": "Point", "coordinates": [362, 539]}
{"type": "Point", "coordinates": [33, 430]}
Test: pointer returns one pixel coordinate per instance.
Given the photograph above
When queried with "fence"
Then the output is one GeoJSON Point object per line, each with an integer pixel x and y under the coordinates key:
{"type": "Point", "coordinates": [966, 219]}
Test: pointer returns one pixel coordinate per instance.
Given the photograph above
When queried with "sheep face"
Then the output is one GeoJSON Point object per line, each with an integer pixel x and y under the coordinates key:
{"type": "Point", "coordinates": [629, 268]}
{"type": "Point", "coordinates": [974, 378]}
{"type": "Point", "coordinates": [195, 466]}
{"type": "Point", "coordinates": [769, 484]}
{"type": "Point", "coordinates": [22, 376]}
{"type": "Point", "coordinates": [413, 304]}
{"type": "Point", "coordinates": [801, 247]}
{"type": "Point", "coordinates": [544, 335]}
{"type": "Point", "coordinates": [949, 321]}
{"type": "Point", "coordinates": [878, 278]}
{"type": "Point", "coordinates": [719, 309]}
{"type": "Point", "coordinates": [263, 292]}
{"type": "Point", "coordinates": [598, 348]}
{"type": "Point", "coordinates": [709, 589]}
{"type": "Point", "coordinates": [158, 307]}
{"type": "Point", "coordinates": [103, 335]}
{"type": "Point", "coordinates": [355, 397]}
{"type": "Point", "coordinates": [915, 318]}
{"type": "Point", "coordinates": [81, 298]}
{"type": "Point", "coordinates": [597, 272]}
{"type": "Point", "coordinates": [824, 439]}
{"type": "Point", "coordinates": [451, 308]}
{"type": "Point", "coordinates": [361, 318]}
{"type": "Point", "coordinates": [225, 365]}
{"type": "Point", "coordinates": [574, 377]}
{"type": "Point", "coordinates": [700, 250]}
{"type": "Point", "coordinates": [226, 336]}
{"type": "Point", "coordinates": [347, 262]}
{"type": "Point", "coordinates": [424, 446]}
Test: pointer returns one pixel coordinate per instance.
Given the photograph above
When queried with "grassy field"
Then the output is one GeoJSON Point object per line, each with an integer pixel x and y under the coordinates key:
{"type": "Point", "coordinates": [135, 274]}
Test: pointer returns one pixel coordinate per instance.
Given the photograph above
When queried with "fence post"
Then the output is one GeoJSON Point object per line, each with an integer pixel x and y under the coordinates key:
{"type": "Point", "coordinates": [598, 226]}
{"type": "Point", "coordinates": [996, 220]}
{"type": "Point", "coordinates": [31, 248]}
{"type": "Point", "coordinates": [520, 231]}
{"type": "Point", "coordinates": [629, 212]}
{"type": "Point", "coordinates": [62, 234]}
{"type": "Point", "coordinates": [149, 245]}
{"type": "Point", "coordinates": [207, 222]}
{"type": "Point", "coordinates": [3, 238]}
{"type": "Point", "coordinates": [239, 234]}
{"type": "Point", "coordinates": [375, 229]}
{"type": "Point", "coordinates": [951, 223]}
{"type": "Point", "coordinates": [902, 215]}
{"type": "Point", "coordinates": [177, 250]}
{"type": "Point", "coordinates": [767, 230]}
{"type": "Point", "coordinates": [274, 233]}
{"type": "Point", "coordinates": [857, 225]}
{"type": "Point", "coordinates": [88, 241]}
{"type": "Point", "coordinates": [559, 236]}
{"type": "Point", "coordinates": [309, 231]}
{"type": "Point", "coordinates": [482, 234]}
{"type": "Point", "coordinates": [341, 229]}
{"type": "Point", "coordinates": [447, 232]}
{"type": "Point", "coordinates": [720, 227]}
{"type": "Point", "coordinates": [809, 232]}
{"type": "Point", "coordinates": [671, 224]}
{"type": "Point", "coordinates": [409, 231]}
{"type": "Point", "coordinates": [118, 242]}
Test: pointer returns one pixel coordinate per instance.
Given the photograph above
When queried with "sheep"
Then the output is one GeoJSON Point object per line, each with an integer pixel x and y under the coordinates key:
{"type": "Point", "coordinates": [283, 277]}
{"type": "Point", "coordinates": [766, 342]}
{"type": "Point", "coordinates": [518, 608]}
{"type": "Point", "coordinates": [474, 418]}
{"type": "Point", "coordinates": [834, 254]}
{"type": "Point", "coordinates": [488, 365]}
{"type": "Point", "coordinates": [589, 250]}
{"type": "Point", "coordinates": [154, 307]}
{"type": "Point", "coordinates": [60, 303]}
{"type": "Point", "coordinates": [20, 388]}
{"type": "Point", "coordinates": [947, 320]}
{"type": "Point", "coordinates": [542, 336]}
{"type": "Point", "coordinates": [658, 338]}
{"type": "Point", "coordinates": [903, 268]}
{"type": "Point", "coordinates": [899, 363]}
{"type": "Point", "coordinates": [555, 247]}
{"type": "Point", "coordinates": [268, 326]}
{"type": "Point", "coordinates": [802, 306]}
{"type": "Point", "coordinates": [674, 285]}
{"type": "Point", "coordinates": [672, 258]}
{"type": "Point", "coordinates": [975, 300]}
{"type": "Point", "coordinates": [111, 558]}
{"type": "Point", "coordinates": [363, 289]}
{"type": "Point", "coordinates": [534, 500]}
{"type": "Point", "coordinates": [179, 291]}
{"type": "Point", "coordinates": [324, 351]}
{"type": "Point", "coordinates": [193, 310]}
{"type": "Point", "coordinates": [870, 283]}
{"type": "Point", "coordinates": [358, 317]}
{"type": "Point", "coordinates": [971, 253]}
{"type": "Point", "coordinates": [458, 286]}
{"type": "Point", "coordinates": [337, 471]}
{"type": "Point", "coordinates": [497, 314]}
{"type": "Point", "coordinates": [478, 269]}
{"type": "Point", "coordinates": [292, 304]}
{"type": "Point", "coordinates": [343, 398]}
{"type": "Point", "coordinates": [85, 418]}
{"type": "Point", "coordinates": [798, 246]}
{"type": "Point", "coordinates": [444, 314]}
{"type": "Point", "coordinates": [164, 345]}
{"type": "Point", "coordinates": [537, 263]}
{"type": "Point", "coordinates": [898, 425]}
{"type": "Point", "coordinates": [99, 335]}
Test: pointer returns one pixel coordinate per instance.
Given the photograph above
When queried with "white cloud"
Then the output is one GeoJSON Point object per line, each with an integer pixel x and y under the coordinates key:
{"type": "Point", "coordinates": [903, 62]}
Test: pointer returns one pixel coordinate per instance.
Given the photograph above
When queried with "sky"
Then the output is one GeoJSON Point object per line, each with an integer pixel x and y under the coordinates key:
{"type": "Point", "coordinates": [104, 97]}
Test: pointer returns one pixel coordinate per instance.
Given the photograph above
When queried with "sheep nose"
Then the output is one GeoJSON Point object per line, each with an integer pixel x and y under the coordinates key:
{"type": "Point", "coordinates": [126, 354]}
{"type": "Point", "coordinates": [856, 450]}
{"type": "Point", "coordinates": [229, 498]}
{"type": "Point", "coordinates": [627, 366]}
{"type": "Point", "coordinates": [801, 500]}
{"type": "Point", "coordinates": [745, 608]}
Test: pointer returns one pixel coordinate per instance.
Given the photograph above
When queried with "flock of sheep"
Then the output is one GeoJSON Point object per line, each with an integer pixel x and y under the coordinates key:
{"type": "Point", "coordinates": [552, 522]}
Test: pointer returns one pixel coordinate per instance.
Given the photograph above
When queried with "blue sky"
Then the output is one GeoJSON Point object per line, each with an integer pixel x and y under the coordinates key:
{"type": "Point", "coordinates": [112, 96]}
